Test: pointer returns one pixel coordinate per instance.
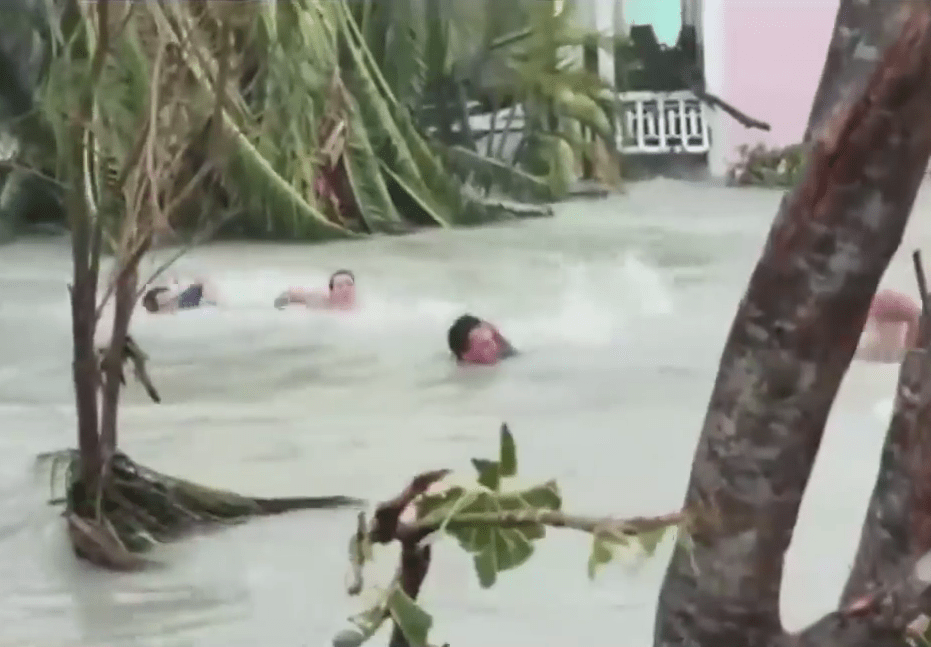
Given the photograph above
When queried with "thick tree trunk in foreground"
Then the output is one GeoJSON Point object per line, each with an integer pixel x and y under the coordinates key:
{"type": "Point", "coordinates": [897, 527]}
{"type": "Point", "coordinates": [862, 30]}
{"type": "Point", "coordinates": [792, 340]}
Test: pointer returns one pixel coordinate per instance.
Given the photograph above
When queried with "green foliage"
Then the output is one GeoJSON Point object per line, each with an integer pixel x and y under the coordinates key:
{"type": "Point", "coordinates": [495, 549]}
{"type": "Point", "coordinates": [768, 167]}
{"type": "Point", "coordinates": [497, 526]}
{"type": "Point", "coordinates": [606, 540]}
{"type": "Point", "coordinates": [294, 73]}
{"type": "Point", "coordinates": [394, 603]}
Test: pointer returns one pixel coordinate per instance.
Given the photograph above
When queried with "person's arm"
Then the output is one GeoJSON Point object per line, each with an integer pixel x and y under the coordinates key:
{"type": "Point", "coordinates": [300, 295]}
{"type": "Point", "coordinates": [291, 295]}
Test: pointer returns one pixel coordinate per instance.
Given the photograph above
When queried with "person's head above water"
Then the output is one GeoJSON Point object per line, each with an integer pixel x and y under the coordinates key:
{"type": "Point", "coordinates": [476, 341]}
{"type": "Point", "coordinates": [342, 288]}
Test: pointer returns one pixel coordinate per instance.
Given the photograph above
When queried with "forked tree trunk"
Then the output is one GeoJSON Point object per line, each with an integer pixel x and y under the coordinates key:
{"type": "Point", "coordinates": [792, 339]}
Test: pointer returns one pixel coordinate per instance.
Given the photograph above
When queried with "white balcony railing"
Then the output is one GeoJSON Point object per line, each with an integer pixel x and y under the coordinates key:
{"type": "Point", "coordinates": [663, 122]}
{"type": "Point", "coordinates": [653, 123]}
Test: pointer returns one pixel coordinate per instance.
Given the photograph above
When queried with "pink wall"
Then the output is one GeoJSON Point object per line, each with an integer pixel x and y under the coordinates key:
{"type": "Point", "coordinates": [773, 54]}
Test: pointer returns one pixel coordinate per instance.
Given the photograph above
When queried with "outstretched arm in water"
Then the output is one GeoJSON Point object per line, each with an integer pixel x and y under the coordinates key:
{"type": "Point", "coordinates": [300, 295]}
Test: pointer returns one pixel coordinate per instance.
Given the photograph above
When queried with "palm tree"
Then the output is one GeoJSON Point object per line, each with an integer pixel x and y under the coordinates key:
{"type": "Point", "coordinates": [123, 104]}
{"type": "Point", "coordinates": [316, 144]}
{"type": "Point", "coordinates": [436, 51]}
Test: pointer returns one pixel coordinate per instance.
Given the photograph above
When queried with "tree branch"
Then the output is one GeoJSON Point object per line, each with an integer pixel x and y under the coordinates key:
{"type": "Point", "coordinates": [387, 527]}
{"type": "Point", "coordinates": [696, 84]}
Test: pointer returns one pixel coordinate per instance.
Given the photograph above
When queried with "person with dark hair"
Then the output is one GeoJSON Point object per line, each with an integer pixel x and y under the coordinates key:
{"type": "Point", "coordinates": [340, 296]}
{"type": "Point", "coordinates": [163, 300]}
{"type": "Point", "coordinates": [476, 341]}
{"type": "Point", "coordinates": [891, 328]}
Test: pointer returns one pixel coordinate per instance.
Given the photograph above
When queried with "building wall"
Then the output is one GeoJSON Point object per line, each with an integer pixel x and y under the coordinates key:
{"type": "Point", "coordinates": [765, 58]}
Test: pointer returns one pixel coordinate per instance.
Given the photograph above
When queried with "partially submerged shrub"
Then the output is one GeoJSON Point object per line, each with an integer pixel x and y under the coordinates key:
{"type": "Point", "coordinates": [769, 167]}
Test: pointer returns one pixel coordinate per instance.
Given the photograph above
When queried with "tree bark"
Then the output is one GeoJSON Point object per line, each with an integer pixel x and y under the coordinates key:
{"type": "Point", "coordinates": [862, 30]}
{"type": "Point", "coordinates": [791, 342]}
{"type": "Point", "coordinates": [124, 301]}
{"type": "Point", "coordinates": [897, 527]}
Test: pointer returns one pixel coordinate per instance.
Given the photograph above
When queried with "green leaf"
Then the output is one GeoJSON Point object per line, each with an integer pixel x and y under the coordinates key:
{"type": "Point", "coordinates": [474, 517]}
{"type": "Point", "coordinates": [650, 540]}
{"type": "Point", "coordinates": [412, 620]}
{"type": "Point", "coordinates": [602, 553]}
{"type": "Point", "coordinates": [605, 542]}
{"type": "Point", "coordinates": [508, 460]}
{"type": "Point", "coordinates": [489, 474]}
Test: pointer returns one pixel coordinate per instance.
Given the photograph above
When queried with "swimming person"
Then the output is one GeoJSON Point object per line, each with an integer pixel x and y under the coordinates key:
{"type": "Point", "coordinates": [891, 328]}
{"type": "Point", "coordinates": [165, 300]}
{"type": "Point", "coordinates": [476, 341]}
{"type": "Point", "coordinates": [340, 296]}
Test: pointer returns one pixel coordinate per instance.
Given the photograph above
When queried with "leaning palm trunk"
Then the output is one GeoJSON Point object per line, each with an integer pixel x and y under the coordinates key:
{"type": "Point", "coordinates": [126, 172]}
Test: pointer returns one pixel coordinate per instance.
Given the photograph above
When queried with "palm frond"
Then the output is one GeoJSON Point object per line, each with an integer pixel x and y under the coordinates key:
{"type": "Point", "coordinates": [369, 188]}
{"type": "Point", "coordinates": [406, 50]}
{"type": "Point", "coordinates": [489, 173]}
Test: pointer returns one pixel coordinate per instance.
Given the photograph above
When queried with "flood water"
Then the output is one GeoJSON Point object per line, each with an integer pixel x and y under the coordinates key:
{"type": "Point", "coordinates": [621, 307]}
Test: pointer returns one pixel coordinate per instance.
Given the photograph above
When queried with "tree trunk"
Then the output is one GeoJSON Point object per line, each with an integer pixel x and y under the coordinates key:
{"type": "Point", "coordinates": [83, 317]}
{"type": "Point", "coordinates": [791, 342]}
{"type": "Point", "coordinates": [862, 30]}
{"type": "Point", "coordinates": [897, 527]}
{"type": "Point", "coordinates": [124, 301]}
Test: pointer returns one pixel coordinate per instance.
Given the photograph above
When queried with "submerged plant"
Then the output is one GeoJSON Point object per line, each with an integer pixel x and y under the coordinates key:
{"type": "Point", "coordinates": [767, 167]}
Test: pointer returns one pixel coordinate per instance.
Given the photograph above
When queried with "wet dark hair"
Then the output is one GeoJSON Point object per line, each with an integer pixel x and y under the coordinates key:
{"type": "Point", "coordinates": [342, 273]}
{"type": "Point", "coordinates": [458, 335]}
{"type": "Point", "coordinates": [150, 299]}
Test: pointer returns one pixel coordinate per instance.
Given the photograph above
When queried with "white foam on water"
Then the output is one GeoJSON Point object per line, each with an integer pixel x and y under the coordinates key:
{"type": "Point", "coordinates": [582, 305]}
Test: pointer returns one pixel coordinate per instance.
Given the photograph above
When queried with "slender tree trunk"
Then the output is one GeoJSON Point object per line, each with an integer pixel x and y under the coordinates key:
{"type": "Point", "coordinates": [124, 301]}
{"type": "Point", "coordinates": [792, 340]}
{"type": "Point", "coordinates": [85, 248]}
{"type": "Point", "coordinates": [83, 325]}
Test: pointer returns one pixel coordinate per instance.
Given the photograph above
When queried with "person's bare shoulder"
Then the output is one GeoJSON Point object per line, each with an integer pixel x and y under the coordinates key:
{"type": "Point", "coordinates": [893, 305]}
